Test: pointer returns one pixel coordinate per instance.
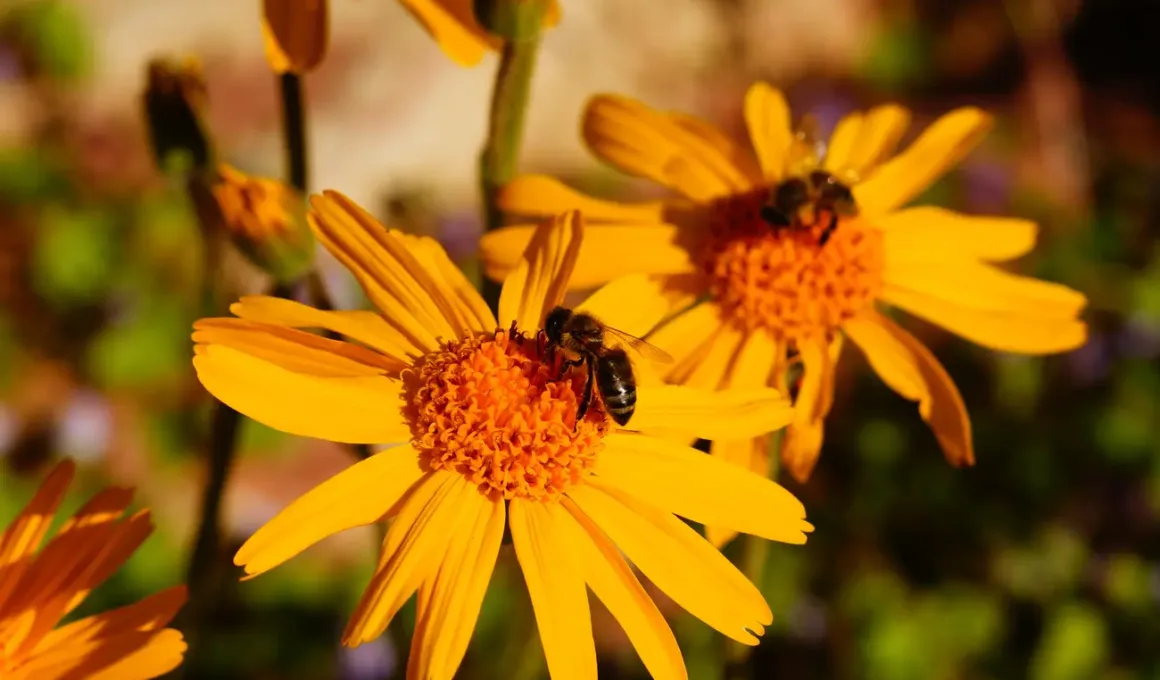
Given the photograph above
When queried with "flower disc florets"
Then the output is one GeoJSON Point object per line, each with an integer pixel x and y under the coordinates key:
{"type": "Point", "coordinates": [496, 409]}
{"type": "Point", "coordinates": [781, 279]}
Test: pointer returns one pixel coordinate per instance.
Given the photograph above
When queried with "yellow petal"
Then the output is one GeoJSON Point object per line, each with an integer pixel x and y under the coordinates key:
{"type": "Point", "coordinates": [393, 279]}
{"type": "Point", "coordinates": [130, 655]}
{"type": "Point", "coordinates": [556, 586]}
{"type": "Point", "coordinates": [607, 252]}
{"type": "Point", "coordinates": [368, 328]}
{"type": "Point", "coordinates": [294, 350]}
{"type": "Point", "coordinates": [644, 142]}
{"type": "Point", "coordinates": [803, 438]}
{"type": "Point", "coordinates": [991, 307]}
{"type": "Point", "coordinates": [616, 585]}
{"type": "Point", "coordinates": [355, 497]}
{"type": "Point", "coordinates": [927, 233]}
{"type": "Point", "coordinates": [860, 143]}
{"type": "Point", "coordinates": [710, 414]}
{"type": "Point", "coordinates": [469, 308]}
{"type": "Point", "coordinates": [909, 368]}
{"type": "Point", "coordinates": [740, 157]}
{"type": "Point", "coordinates": [713, 368]}
{"type": "Point", "coordinates": [767, 116]}
{"type": "Point", "coordinates": [702, 488]}
{"type": "Point", "coordinates": [939, 148]}
{"type": "Point", "coordinates": [749, 454]}
{"type": "Point", "coordinates": [23, 536]}
{"type": "Point", "coordinates": [540, 279]}
{"type": "Point", "coordinates": [453, 27]}
{"type": "Point", "coordinates": [542, 196]}
{"type": "Point", "coordinates": [687, 337]}
{"type": "Point", "coordinates": [681, 563]}
{"type": "Point", "coordinates": [412, 551]}
{"type": "Point", "coordinates": [153, 613]}
{"type": "Point", "coordinates": [635, 304]}
{"type": "Point", "coordinates": [358, 410]}
{"type": "Point", "coordinates": [295, 33]}
{"type": "Point", "coordinates": [449, 606]}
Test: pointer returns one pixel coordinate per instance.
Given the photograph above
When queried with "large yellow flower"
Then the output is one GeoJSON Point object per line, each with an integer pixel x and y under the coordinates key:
{"type": "Point", "coordinates": [769, 292]}
{"type": "Point", "coordinates": [40, 587]}
{"type": "Point", "coordinates": [491, 439]}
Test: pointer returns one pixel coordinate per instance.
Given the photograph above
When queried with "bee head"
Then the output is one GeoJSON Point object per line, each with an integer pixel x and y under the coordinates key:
{"type": "Point", "coordinates": [555, 323]}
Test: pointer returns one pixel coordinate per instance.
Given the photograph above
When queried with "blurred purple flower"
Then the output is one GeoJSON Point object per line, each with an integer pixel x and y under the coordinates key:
{"type": "Point", "coordinates": [375, 660]}
{"type": "Point", "coordinates": [85, 428]}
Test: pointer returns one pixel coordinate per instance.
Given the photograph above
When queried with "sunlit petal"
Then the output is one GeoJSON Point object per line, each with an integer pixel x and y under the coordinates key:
{"type": "Point", "coordinates": [540, 279]}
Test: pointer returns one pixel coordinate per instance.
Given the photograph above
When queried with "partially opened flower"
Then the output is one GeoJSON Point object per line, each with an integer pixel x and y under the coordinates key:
{"type": "Point", "coordinates": [789, 260]}
{"type": "Point", "coordinates": [39, 587]}
{"type": "Point", "coordinates": [459, 33]}
{"type": "Point", "coordinates": [266, 220]}
{"type": "Point", "coordinates": [487, 420]}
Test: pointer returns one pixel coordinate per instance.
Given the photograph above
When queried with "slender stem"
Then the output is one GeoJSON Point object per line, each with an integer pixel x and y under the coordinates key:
{"type": "Point", "coordinates": [500, 157]}
{"type": "Point", "coordinates": [294, 129]}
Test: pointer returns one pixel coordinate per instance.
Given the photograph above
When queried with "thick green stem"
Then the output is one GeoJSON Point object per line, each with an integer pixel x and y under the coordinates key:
{"type": "Point", "coordinates": [499, 160]}
{"type": "Point", "coordinates": [294, 130]}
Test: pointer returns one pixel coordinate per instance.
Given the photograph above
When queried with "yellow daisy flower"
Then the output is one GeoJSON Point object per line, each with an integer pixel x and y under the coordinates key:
{"type": "Point", "coordinates": [488, 418]}
{"type": "Point", "coordinates": [771, 290]}
{"type": "Point", "coordinates": [40, 587]}
{"type": "Point", "coordinates": [454, 27]}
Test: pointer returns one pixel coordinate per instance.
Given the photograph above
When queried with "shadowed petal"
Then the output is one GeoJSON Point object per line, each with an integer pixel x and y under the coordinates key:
{"type": "Point", "coordinates": [355, 497]}
{"type": "Point", "coordinates": [556, 586]}
{"type": "Point", "coordinates": [541, 277]}
{"type": "Point", "coordinates": [803, 438]}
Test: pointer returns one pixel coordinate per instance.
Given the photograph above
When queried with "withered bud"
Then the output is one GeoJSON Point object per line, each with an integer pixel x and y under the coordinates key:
{"type": "Point", "coordinates": [266, 220]}
{"type": "Point", "coordinates": [175, 103]}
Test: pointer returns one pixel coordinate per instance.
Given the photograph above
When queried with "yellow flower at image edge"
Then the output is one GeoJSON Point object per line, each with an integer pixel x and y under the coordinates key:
{"type": "Point", "coordinates": [458, 32]}
{"type": "Point", "coordinates": [801, 282]}
{"type": "Point", "coordinates": [488, 418]}
{"type": "Point", "coordinates": [39, 587]}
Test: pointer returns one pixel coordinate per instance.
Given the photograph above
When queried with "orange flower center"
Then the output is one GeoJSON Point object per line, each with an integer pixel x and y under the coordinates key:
{"type": "Point", "coordinates": [496, 409]}
{"type": "Point", "coordinates": [781, 279]}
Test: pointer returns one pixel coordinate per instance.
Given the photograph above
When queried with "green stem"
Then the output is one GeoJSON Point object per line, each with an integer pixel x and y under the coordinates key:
{"type": "Point", "coordinates": [294, 130]}
{"type": "Point", "coordinates": [499, 160]}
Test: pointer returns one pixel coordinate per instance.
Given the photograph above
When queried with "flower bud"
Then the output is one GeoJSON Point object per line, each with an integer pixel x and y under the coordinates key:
{"type": "Point", "coordinates": [175, 104]}
{"type": "Point", "coordinates": [295, 32]}
{"type": "Point", "coordinates": [266, 220]}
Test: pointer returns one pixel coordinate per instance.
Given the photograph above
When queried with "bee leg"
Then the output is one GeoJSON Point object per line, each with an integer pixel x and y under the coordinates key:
{"type": "Point", "coordinates": [566, 364]}
{"type": "Point", "coordinates": [829, 230]}
{"type": "Point", "coordinates": [586, 400]}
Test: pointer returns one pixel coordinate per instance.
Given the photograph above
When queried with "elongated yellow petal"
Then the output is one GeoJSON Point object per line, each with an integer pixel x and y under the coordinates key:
{"type": "Point", "coordinates": [607, 252]}
{"type": "Point", "coordinates": [710, 414]}
{"type": "Point", "coordinates": [412, 551]}
{"type": "Point", "coordinates": [984, 287]}
{"type": "Point", "coordinates": [388, 272]}
{"type": "Point", "coordinates": [909, 368]}
{"type": "Point", "coordinates": [128, 655]}
{"type": "Point", "coordinates": [753, 369]}
{"type": "Point", "coordinates": [749, 454]}
{"type": "Point", "coordinates": [357, 496]}
{"type": "Point", "coordinates": [1005, 332]}
{"type": "Point", "coordinates": [644, 142]}
{"type": "Point", "coordinates": [678, 561]}
{"type": "Point", "coordinates": [541, 277]}
{"type": "Point", "coordinates": [296, 34]}
{"type": "Point", "coordinates": [152, 613]}
{"type": "Point", "coordinates": [542, 196]}
{"type": "Point", "coordinates": [713, 368]}
{"type": "Point", "coordinates": [926, 234]}
{"type": "Point", "coordinates": [803, 437]}
{"type": "Point", "coordinates": [687, 338]}
{"type": "Point", "coordinates": [464, 300]}
{"type": "Point", "coordinates": [24, 535]}
{"type": "Point", "coordinates": [446, 616]}
{"type": "Point", "coordinates": [702, 488]}
{"type": "Point", "coordinates": [768, 119]}
{"type": "Point", "coordinates": [939, 148]}
{"type": "Point", "coordinates": [861, 142]}
{"type": "Point", "coordinates": [556, 586]}
{"type": "Point", "coordinates": [739, 156]}
{"type": "Point", "coordinates": [453, 27]}
{"type": "Point", "coordinates": [294, 350]}
{"type": "Point", "coordinates": [358, 410]}
{"type": "Point", "coordinates": [635, 304]}
{"type": "Point", "coordinates": [616, 585]}
{"type": "Point", "coordinates": [368, 328]}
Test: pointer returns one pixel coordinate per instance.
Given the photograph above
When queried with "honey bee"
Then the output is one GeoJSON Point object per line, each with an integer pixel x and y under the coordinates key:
{"type": "Point", "coordinates": [799, 201]}
{"type": "Point", "coordinates": [819, 191]}
{"type": "Point", "coordinates": [581, 337]}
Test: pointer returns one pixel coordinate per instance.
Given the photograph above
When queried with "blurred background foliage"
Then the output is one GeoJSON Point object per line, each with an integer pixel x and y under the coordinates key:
{"type": "Point", "coordinates": [1041, 562]}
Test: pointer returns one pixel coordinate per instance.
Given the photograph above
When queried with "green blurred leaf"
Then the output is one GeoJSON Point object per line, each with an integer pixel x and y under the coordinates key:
{"type": "Point", "coordinates": [152, 346]}
{"type": "Point", "coordinates": [55, 32]}
{"type": "Point", "coordinates": [1074, 645]}
{"type": "Point", "coordinates": [28, 174]}
{"type": "Point", "coordinates": [75, 255]}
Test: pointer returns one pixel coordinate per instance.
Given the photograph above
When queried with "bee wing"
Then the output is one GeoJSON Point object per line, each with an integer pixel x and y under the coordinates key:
{"type": "Point", "coordinates": [650, 352]}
